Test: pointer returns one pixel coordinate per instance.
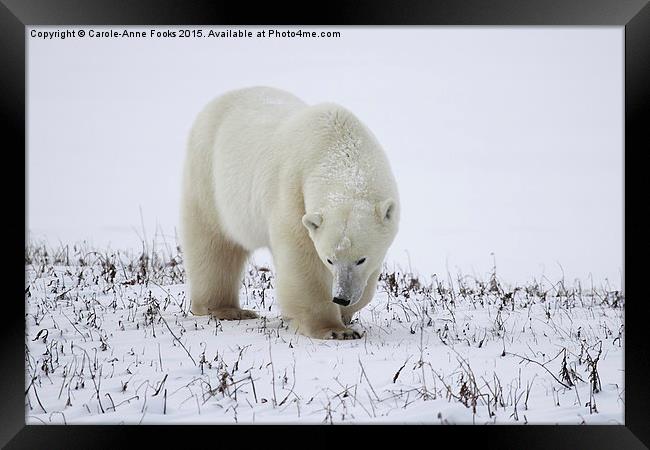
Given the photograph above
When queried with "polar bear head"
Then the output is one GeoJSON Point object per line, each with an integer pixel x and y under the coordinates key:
{"type": "Point", "coordinates": [351, 239]}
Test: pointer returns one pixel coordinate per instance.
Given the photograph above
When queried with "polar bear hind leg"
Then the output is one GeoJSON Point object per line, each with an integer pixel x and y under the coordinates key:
{"type": "Point", "coordinates": [214, 267]}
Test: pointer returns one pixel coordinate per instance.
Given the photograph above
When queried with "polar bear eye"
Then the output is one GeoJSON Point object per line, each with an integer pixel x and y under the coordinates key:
{"type": "Point", "coordinates": [328, 261]}
{"type": "Point", "coordinates": [361, 261]}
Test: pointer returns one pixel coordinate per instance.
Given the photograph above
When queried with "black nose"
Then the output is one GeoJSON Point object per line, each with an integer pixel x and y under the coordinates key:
{"type": "Point", "coordinates": [341, 301]}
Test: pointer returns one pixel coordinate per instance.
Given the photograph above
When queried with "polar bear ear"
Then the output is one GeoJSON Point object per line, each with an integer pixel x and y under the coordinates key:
{"type": "Point", "coordinates": [385, 209]}
{"type": "Point", "coordinates": [312, 221]}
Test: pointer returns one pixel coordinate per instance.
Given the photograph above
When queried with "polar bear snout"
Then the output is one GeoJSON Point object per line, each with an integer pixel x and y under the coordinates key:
{"type": "Point", "coordinates": [341, 301]}
{"type": "Point", "coordinates": [348, 284]}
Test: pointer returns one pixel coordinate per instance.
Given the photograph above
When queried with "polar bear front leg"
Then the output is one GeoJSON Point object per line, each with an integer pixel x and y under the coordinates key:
{"type": "Point", "coordinates": [305, 296]}
{"type": "Point", "coordinates": [319, 321]}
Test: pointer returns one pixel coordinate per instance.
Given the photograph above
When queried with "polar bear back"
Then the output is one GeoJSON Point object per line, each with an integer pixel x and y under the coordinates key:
{"type": "Point", "coordinates": [260, 153]}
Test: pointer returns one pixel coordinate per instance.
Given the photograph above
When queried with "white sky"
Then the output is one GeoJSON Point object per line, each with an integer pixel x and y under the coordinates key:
{"type": "Point", "coordinates": [504, 140]}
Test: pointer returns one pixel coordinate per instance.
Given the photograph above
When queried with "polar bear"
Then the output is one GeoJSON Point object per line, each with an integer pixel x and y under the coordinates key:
{"type": "Point", "coordinates": [310, 183]}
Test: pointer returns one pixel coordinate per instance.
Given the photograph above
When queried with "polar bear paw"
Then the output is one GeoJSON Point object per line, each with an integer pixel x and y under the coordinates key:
{"type": "Point", "coordinates": [233, 314]}
{"type": "Point", "coordinates": [343, 334]}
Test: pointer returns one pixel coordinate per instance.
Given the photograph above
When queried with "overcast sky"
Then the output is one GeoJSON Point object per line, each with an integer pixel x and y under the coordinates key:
{"type": "Point", "coordinates": [504, 140]}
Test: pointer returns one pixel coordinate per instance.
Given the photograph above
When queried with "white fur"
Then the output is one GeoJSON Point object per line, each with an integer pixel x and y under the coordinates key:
{"type": "Point", "coordinates": [311, 183]}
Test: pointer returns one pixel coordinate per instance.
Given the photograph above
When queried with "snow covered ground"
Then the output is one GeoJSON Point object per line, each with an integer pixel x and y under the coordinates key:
{"type": "Point", "coordinates": [109, 339]}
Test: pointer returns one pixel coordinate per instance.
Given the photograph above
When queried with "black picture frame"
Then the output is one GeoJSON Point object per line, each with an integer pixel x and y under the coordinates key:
{"type": "Point", "coordinates": [634, 15]}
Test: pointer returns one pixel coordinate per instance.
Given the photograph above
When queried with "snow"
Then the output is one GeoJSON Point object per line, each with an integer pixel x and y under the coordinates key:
{"type": "Point", "coordinates": [343, 244]}
{"type": "Point", "coordinates": [110, 340]}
